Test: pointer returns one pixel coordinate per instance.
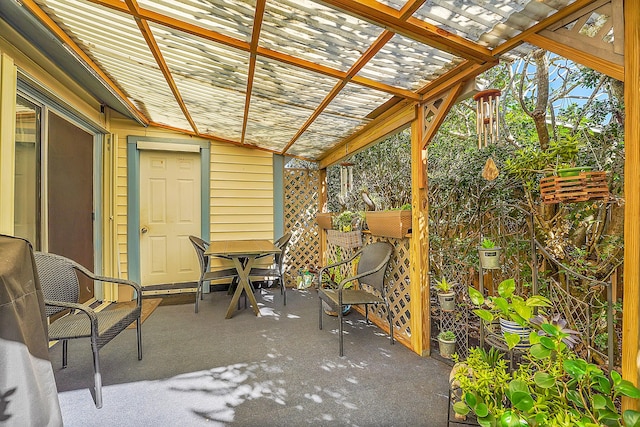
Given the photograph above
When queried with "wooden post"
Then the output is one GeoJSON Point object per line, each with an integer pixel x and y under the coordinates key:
{"type": "Point", "coordinates": [322, 204]}
{"type": "Point", "coordinates": [631, 302]}
{"type": "Point", "coordinates": [419, 274]}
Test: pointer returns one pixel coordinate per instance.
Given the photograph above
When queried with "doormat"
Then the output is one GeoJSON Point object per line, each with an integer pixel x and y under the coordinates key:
{"type": "Point", "coordinates": [148, 306]}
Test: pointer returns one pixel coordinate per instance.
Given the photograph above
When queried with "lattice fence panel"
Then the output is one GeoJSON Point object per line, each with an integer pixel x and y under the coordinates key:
{"type": "Point", "coordinates": [577, 313]}
{"type": "Point", "coordinates": [300, 208]}
{"type": "Point", "coordinates": [398, 285]}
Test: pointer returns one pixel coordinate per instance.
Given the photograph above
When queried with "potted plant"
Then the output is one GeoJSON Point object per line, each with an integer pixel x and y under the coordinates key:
{"type": "Point", "coordinates": [512, 311]}
{"type": "Point", "coordinates": [552, 386]}
{"type": "Point", "coordinates": [346, 230]}
{"type": "Point", "coordinates": [572, 171]}
{"type": "Point", "coordinates": [325, 220]}
{"type": "Point", "coordinates": [446, 295]}
{"type": "Point", "coordinates": [489, 254]}
{"type": "Point", "coordinates": [390, 223]}
{"type": "Point", "coordinates": [447, 343]}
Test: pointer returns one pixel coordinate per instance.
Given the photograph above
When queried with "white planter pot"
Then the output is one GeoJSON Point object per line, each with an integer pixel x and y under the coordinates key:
{"type": "Point", "coordinates": [490, 258]}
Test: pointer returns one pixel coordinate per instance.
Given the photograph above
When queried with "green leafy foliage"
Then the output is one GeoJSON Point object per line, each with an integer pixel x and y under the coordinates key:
{"type": "Point", "coordinates": [552, 387]}
{"type": "Point", "coordinates": [507, 305]}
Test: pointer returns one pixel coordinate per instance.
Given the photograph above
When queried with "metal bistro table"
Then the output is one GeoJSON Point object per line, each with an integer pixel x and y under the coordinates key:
{"type": "Point", "coordinates": [243, 253]}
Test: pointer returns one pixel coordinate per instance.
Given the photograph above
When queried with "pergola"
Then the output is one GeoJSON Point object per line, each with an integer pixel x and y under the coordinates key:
{"type": "Point", "coordinates": [320, 80]}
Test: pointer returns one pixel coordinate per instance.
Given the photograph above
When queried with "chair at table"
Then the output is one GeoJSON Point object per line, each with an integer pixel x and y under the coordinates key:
{"type": "Point", "coordinates": [277, 270]}
{"type": "Point", "coordinates": [372, 265]}
{"type": "Point", "coordinates": [61, 288]}
{"type": "Point", "coordinates": [200, 247]}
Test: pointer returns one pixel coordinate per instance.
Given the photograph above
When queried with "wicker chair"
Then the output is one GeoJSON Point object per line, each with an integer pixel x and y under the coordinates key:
{"type": "Point", "coordinates": [372, 265]}
{"type": "Point", "coordinates": [201, 246]}
{"type": "Point", "coordinates": [61, 288]}
{"type": "Point", "coordinates": [277, 270]}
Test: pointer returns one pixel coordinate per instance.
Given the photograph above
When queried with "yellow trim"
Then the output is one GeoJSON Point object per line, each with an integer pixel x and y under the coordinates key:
{"type": "Point", "coordinates": [8, 88]}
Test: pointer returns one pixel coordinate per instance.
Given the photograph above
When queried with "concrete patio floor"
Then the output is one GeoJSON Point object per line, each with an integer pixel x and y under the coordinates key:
{"type": "Point", "coordinates": [278, 369]}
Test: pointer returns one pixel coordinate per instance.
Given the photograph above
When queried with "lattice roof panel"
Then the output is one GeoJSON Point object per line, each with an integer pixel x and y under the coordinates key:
{"type": "Point", "coordinates": [291, 76]}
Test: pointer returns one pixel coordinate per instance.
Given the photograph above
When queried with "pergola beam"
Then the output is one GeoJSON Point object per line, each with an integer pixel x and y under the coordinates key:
{"type": "Point", "coordinates": [216, 37]}
{"type": "Point", "coordinates": [389, 18]}
{"type": "Point", "coordinates": [147, 34]}
{"type": "Point", "coordinates": [64, 38]}
{"type": "Point", "coordinates": [581, 56]}
{"type": "Point", "coordinates": [393, 120]}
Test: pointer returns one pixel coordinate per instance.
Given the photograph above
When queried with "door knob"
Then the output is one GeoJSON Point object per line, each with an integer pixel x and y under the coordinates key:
{"type": "Point", "coordinates": [144, 230]}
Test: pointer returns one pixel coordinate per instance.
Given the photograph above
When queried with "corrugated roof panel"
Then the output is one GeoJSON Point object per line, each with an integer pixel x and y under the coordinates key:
{"type": "Point", "coordinates": [272, 124]}
{"type": "Point", "coordinates": [112, 39]}
{"type": "Point", "coordinates": [324, 134]}
{"type": "Point", "coordinates": [211, 78]}
{"type": "Point", "coordinates": [335, 127]}
{"type": "Point", "coordinates": [469, 19]}
{"type": "Point", "coordinates": [408, 64]}
{"type": "Point", "coordinates": [228, 17]}
{"type": "Point", "coordinates": [488, 23]}
{"type": "Point", "coordinates": [313, 32]}
{"type": "Point", "coordinates": [283, 83]}
{"type": "Point", "coordinates": [215, 110]}
{"type": "Point", "coordinates": [357, 101]}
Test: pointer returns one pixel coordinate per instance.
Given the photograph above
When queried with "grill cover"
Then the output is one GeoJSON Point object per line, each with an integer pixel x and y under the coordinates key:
{"type": "Point", "coordinates": [28, 394]}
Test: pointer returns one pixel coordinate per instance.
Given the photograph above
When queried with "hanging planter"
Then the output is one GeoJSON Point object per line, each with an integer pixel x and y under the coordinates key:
{"type": "Point", "coordinates": [574, 185]}
{"type": "Point", "coordinates": [489, 255]}
{"type": "Point", "coordinates": [348, 240]}
{"type": "Point", "coordinates": [325, 220]}
{"type": "Point", "coordinates": [395, 223]}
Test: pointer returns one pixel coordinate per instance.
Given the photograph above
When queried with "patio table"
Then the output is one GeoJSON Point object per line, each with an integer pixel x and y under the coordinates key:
{"type": "Point", "coordinates": [243, 253]}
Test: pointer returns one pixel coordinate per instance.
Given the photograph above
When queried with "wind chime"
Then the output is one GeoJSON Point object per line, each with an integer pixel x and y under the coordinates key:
{"type": "Point", "coordinates": [346, 178]}
{"type": "Point", "coordinates": [487, 105]}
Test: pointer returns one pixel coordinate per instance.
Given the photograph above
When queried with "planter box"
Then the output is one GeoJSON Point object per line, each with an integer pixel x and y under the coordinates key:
{"type": "Point", "coordinates": [570, 189]}
{"type": "Point", "coordinates": [350, 240]}
{"type": "Point", "coordinates": [389, 223]}
{"type": "Point", "coordinates": [325, 220]}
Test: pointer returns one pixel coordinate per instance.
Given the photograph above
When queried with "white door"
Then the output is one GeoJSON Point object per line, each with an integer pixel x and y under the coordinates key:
{"type": "Point", "coordinates": [169, 213]}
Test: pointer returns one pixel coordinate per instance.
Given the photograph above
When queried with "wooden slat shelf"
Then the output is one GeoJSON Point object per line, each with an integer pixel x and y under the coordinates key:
{"type": "Point", "coordinates": [571, 189]}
